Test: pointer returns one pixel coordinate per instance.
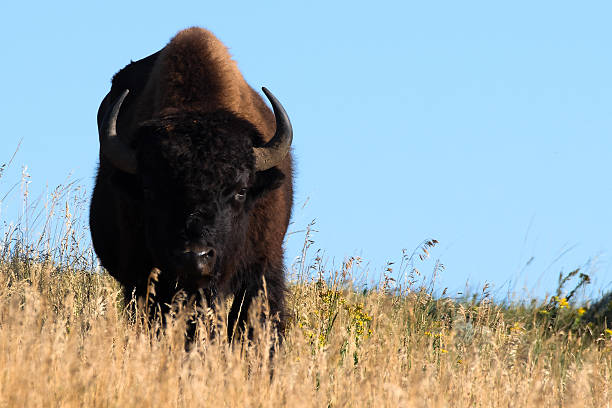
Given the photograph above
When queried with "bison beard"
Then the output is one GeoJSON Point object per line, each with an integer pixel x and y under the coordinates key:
{"type": "Point", "coordinates": [195, 184]}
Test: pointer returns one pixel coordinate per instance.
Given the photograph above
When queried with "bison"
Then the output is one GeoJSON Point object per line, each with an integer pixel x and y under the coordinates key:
{"type": "Point", "coordinates": [194, 179]}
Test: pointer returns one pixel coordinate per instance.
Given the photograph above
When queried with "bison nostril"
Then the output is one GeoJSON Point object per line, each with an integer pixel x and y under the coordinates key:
{"type": "Point", "coordinates": [206, 253]}
{"type": "Point", "coordinates": [203, 253]}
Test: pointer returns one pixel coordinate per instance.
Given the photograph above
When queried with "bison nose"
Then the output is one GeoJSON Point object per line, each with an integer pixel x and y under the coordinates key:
{"type": "Point", "coordinates": [195, 260]}
{"type": "Point", "coordinates": [195, 250]}
{"type": "Point", "coordinates": [205, 253]}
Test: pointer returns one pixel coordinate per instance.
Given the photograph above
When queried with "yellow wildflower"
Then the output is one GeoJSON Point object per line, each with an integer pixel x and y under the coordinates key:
{"type": "Point", "coordinates": [321, 340]}
{"type": "Point", "coordinates": [517, 327]}
{"type": "Point", "coordinates": [581, 311]}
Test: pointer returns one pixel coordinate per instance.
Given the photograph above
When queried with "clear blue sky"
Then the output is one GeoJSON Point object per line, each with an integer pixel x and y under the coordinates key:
{"type": "Point", "coordinates": [482, 125]}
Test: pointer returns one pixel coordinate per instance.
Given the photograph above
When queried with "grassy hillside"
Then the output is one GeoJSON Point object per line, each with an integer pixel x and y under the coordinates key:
{"type": "Point", "coordinates": [67, 340]}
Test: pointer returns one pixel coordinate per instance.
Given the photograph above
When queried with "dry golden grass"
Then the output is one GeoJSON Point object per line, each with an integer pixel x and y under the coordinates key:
{"type": "Point", "coordinates": [67, 341]}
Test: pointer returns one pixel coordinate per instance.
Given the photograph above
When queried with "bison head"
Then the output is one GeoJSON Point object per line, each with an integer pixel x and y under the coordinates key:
{"type": "Point", "coordinates": [195, 178]}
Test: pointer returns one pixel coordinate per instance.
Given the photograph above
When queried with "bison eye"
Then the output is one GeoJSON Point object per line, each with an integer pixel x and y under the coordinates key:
{"type": "Point", "coordinates": [240, 196]}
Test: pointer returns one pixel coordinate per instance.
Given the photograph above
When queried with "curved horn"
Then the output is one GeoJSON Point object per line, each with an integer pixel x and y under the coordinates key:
{"type": "Point", "coordinates": [120, 155]}
{"type": "Point", "coordinates": [277, 148]}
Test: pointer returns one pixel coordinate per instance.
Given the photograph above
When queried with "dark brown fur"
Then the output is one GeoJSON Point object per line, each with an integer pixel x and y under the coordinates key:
{"type": "Point", "coordinates": [193, 79]}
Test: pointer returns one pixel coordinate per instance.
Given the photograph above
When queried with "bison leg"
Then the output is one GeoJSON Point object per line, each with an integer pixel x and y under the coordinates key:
{"type": "Point", "coordinates": [276, 289]}
{"type": "Point", "coordinates": [236, 320]}
{"type": "Point", "coordinates": [243, 297]}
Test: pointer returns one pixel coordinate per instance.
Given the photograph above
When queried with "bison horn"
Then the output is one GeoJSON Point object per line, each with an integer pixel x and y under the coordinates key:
{"type": "Point", "coordinates": [277, 148]}
{"type": "Point", "coordinates": [120, 155]}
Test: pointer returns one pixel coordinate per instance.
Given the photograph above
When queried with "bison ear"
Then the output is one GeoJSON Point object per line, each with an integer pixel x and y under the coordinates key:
{"type": "Point", "coordinates": [265, 181]}
{"type": "Point", "coordinates": [128, 185]}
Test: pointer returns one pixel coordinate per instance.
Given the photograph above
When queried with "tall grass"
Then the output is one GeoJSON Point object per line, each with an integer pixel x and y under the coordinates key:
{"type": "Point", "coordinates": [66, 339]}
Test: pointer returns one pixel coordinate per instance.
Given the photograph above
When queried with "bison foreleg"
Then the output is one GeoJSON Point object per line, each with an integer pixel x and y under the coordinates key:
{"type": "Point", "coordinates": [236, 319]}
{"type": "Point", "coordinates": [274, 293]}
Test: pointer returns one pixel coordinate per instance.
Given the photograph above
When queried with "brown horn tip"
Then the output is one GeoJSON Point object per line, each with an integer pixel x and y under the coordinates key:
{"type": "Point", "coordinates": [277, 148]}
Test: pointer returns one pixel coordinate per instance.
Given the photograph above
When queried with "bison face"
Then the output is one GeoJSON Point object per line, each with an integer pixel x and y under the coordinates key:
{"type": "Point", "coordinates": [195, 178]}
{"type": "Point", "coordinates": [198, 183]}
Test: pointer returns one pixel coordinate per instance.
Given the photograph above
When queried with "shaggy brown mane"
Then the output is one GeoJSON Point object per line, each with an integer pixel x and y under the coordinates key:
{"type": "Point", "coordinates": [224, 88]}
